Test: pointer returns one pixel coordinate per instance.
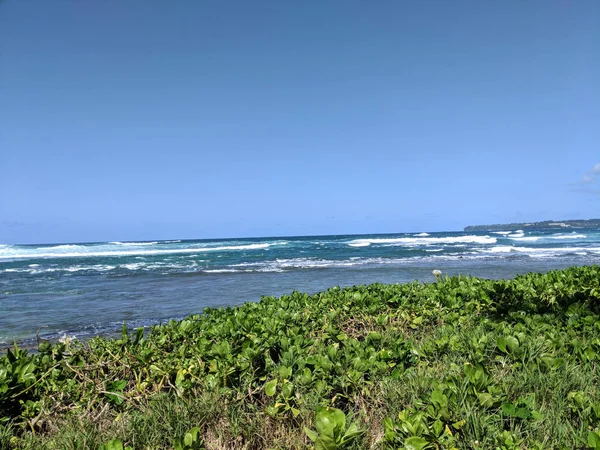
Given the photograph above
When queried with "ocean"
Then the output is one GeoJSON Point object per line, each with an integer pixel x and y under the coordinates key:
{"type": "Point", "coordinates": [90, 289]}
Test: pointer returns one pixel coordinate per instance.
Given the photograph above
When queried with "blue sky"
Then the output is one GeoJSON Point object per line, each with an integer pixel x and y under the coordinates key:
{"type": "Point", "coordinates": [195, 119]}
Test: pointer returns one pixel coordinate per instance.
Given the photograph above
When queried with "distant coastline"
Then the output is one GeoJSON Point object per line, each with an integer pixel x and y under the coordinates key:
{"type": "Point", "coordinates": [544, 225]}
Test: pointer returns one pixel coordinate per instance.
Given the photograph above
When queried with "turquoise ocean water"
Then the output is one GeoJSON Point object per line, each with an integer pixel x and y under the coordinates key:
{"type": "Point", "coordinates": [92, 288]}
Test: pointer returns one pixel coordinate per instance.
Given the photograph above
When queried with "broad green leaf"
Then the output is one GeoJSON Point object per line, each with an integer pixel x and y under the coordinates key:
{"type": "Point", "coordinates": [329, 420]}
{"type": "Point", "coordinates": [438, 427]}
{"type": "Point", "coordinates": [509, 409]}
{"type": "Point", "coordinates": [536, 415]}
{"type": "Point", "coordinates": [325, 443]}
{"type": "Point", "coordinates": [508, 344]}
{"type": "Point", "coordinates": [523, 413]}
{"type": "Point", "coordinates": [485, 399]}
{"type": "Point", "coordinates": [287, 389]}
{"type": "Point", "coordinates": [351, 433]}
{"type": "Point", "coordinates": [390, 429]}
{"type": "Point", "coordinates": [439, 399]}
{"type": "Point", "coordinates": [312, 435]}
{"type": "Point", "coordinates": [271, 388]}
{"type": "Point", "coordinates": [458, 425]}
{"type": "Point", "coordinates": [114, 444]}
{"type": "Point", "coordinates": [593, 440]}
{"type": "Point", "coordinates": [415, 443]}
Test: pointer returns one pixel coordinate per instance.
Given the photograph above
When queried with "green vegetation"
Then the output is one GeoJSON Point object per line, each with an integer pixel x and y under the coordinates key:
{"type": "Point", "coordinates": [459, 363]}
{"type": "Point", "coordinates": [538, 226]}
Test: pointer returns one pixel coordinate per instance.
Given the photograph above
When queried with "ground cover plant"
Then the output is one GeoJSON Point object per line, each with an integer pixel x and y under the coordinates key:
{"type": "Point", "coordinates": [457, 363]}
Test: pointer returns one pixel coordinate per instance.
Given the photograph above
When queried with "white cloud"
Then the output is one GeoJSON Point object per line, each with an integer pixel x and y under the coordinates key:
{"type": "Point", "coordinates": [592, 175]}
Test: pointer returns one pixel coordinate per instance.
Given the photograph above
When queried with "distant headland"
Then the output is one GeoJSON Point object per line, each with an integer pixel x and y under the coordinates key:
{"type": "Point", "coordinates": [544, 225]}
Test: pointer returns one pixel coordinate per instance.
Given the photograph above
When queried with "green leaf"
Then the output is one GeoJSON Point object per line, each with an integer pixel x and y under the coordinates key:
{"type": "Point", "coordinates": [114, 444]}
{"type": "Point", "coordinates": [325, 443]}
{"type": "Point", "coordinates": [593, 440]}
{"type": "Point", "coordinates": [312, 435]}
{"type": "Point", "coordinates": [390, 429]}
{"type": "Point", "coordinates": [438, 427]}
{"type": "Point", "coordinates": [523, 413]}
{"type": "Point", "coordinates": [415, 443]}
{"type": "Point", "coordinates": [485, 399]}
{"type": "Point", "coordinates": [271, 388]}
{"type": "Point", "coordinates": [191, 438]}
{"type": "Point", "coordinates": [327, 420]}
{"type": "Point", "coordinates": [117, 386]}
{"type": "Point", "coordinates": [509, 409]}
{"type": "Point", "coordinates": [458, 425]}
{"type": "Point", "coordinates": [351, 433]}
{"type": "Point", "coordinates": [287, 390]}
{"type": "Point", "coordinates": [507, 344]}
{"type": "Point", "coordinates": [439, 399]}
{"type": "Point", "coordinates": [536, 415]}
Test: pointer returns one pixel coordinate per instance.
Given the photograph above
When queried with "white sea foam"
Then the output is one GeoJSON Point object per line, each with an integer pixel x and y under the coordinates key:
{"type": "Point", "coordinates": [63, 247]}
{"type": "Point", "coordinates": [282, 265]}
{"type": "Point", "coordinates": [359, 244]}
{"type": "Point", "coordinates": [111, 250]}
{"type": "Point", "coordinates": [539, 251]}
{"type": "Point", "coordinates": [413, 241]}
{"type": "Point", "coordinates": [516, 235]}
{"type": "Point", "coordinates": [501, 232]}
{"type": "Point", "coordinates": [568, 236]}
{"type": "Point", "coordinates": [421, 234]}
{"type": "Point", "coordinates": [221, 271]}
{"type": "Point", "coordinates": [133, 244]}
{"type": "Point", "coordinates": [35, 269]}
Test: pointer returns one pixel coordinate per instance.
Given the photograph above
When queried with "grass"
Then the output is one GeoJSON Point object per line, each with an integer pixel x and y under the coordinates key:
{"type": "Point", "coordinates": [462, 363]}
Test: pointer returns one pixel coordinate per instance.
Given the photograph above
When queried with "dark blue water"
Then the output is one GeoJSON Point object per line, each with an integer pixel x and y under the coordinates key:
{"type": "Point", "coordinates": [87, 289]}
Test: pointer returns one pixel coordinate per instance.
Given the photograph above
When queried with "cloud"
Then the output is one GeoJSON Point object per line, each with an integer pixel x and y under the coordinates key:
{"type": "Point", "coordinates": [588, 184]}
{"type": "Point", "coordinates": [591, 176]}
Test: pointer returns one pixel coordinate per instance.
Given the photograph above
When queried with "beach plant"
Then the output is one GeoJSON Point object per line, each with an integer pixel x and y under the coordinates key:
{"type": "Point", "coordinates": [190, 441]}
{"type": "Point", "coordinates": [463, 362]}
{"type": "Point", "coordinates": [331, 432]}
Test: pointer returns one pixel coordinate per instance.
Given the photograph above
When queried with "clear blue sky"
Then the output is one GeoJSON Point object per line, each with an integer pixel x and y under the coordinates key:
{"type": "Point", "coordinates": [147, 119]}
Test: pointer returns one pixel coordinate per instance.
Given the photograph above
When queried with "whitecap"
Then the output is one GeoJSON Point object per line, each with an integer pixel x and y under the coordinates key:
{"type": "Point", "coordinates": [359, 244]}
{"type": "Point", "coordinates": [63, 247]}
{"type": "Point", "coordinates": [525, 239]}
{"type": "Point", "coordinates": [221, 271]}
{"type": "Point", "coordinates": [412, 241]}
{"type": "Point", "coordinates": [45, 252]}
{"type": "Point", "coordinates": [133, 244]}
{"type": "Point", "coordinates": [567, 236]}
{"type": "Point", "coordinates": [539, 252]}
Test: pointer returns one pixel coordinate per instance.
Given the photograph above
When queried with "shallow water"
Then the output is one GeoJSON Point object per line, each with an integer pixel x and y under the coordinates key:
{"type": "Point", "coordinates": [92, 288]}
